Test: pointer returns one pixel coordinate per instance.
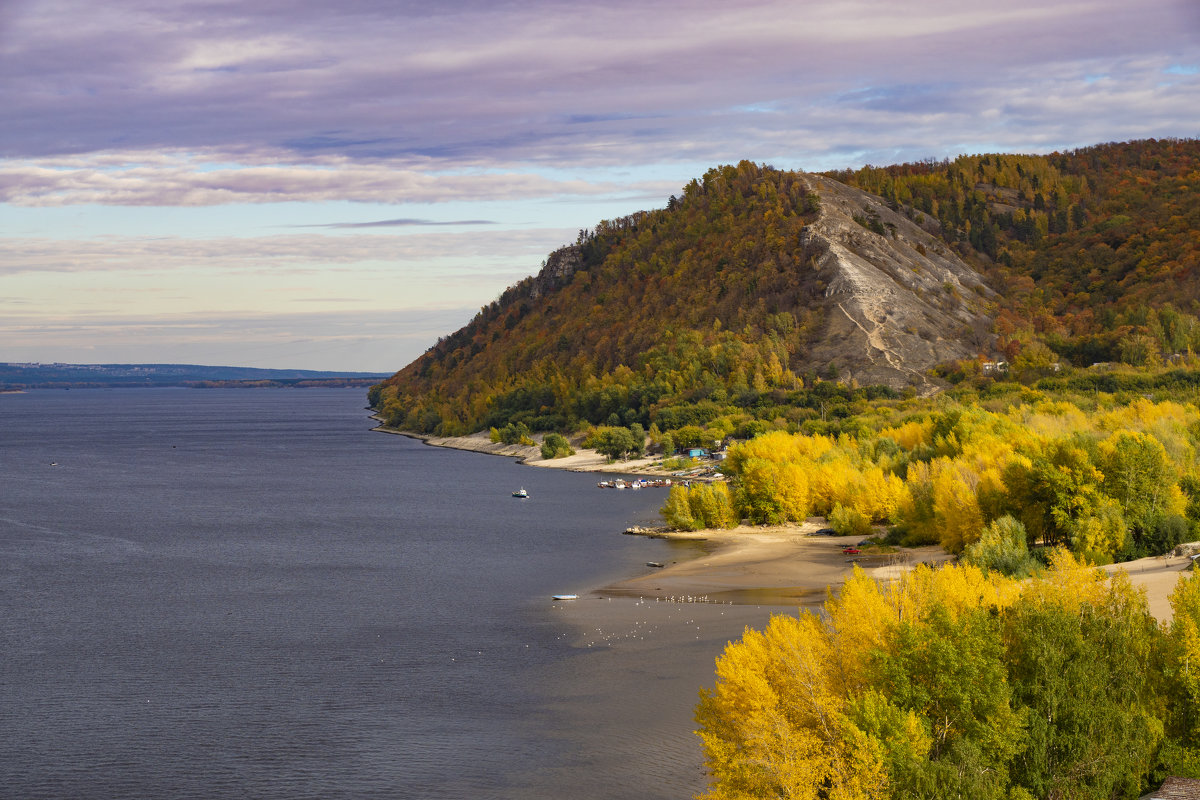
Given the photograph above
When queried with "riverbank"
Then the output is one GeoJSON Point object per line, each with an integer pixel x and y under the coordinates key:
{"type": "Point", "coordinates": [531, 455]}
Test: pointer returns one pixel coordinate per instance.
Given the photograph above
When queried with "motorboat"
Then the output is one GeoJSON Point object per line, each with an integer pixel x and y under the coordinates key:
{"type": "Point", "coordinates": [521, 493]}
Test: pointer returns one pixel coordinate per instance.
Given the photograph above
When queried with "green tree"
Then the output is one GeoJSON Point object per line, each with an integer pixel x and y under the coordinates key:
{"type": "Point", "coordinates": [1083, 670]}
{"type": "Point", "coordinates": [1059, 485]}
{"type": "Point", "coordinates": [950, 672]}
{"type": "Point", "coordinates": [555, 445]}
{"type": "Point", "coordinates": [1138, 475]}
{"type": "Point", "coordinates": [614, 442]}
{"type": "Point", "coordinates": [1002, 547]}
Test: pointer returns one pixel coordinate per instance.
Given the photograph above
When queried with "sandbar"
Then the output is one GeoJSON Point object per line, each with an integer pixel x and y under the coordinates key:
{"type": "Point", "coordinates": [789, 566]}
{"type": "Point", "coordinates": [772, 565]}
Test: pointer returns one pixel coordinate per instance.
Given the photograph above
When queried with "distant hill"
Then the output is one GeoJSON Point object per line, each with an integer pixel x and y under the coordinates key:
{"type": "Point", "coordinates": [40, 376]}
{"type": "Point", "coordinates": [765, 298]}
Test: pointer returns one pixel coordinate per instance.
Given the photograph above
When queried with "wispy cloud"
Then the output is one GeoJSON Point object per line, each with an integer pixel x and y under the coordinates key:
{"type": "Point", "coordinates": [278, 252]}
{"type": "Point", "coordinates": [184, 179]}
{"type": "Point", "coordinates": [398, 223]}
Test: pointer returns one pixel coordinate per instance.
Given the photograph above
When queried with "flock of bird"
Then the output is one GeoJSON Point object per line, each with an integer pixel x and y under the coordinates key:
{"type": "Point", "coordinates": [643, 628]}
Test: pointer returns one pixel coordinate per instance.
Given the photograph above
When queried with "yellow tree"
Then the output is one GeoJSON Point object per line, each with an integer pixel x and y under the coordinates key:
{"type": "Point", "coordinates": [773, 726]}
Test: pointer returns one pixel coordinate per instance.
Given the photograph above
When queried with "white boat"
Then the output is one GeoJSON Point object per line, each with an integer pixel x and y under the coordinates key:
{"type": "Point", "coordinates": [521, 493]}
{"type": "Point", "coordinates": [565, 597]}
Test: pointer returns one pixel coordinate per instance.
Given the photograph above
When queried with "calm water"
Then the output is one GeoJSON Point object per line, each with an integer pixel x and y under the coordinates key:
{"type": "Point", "coordinates": [246, 593]}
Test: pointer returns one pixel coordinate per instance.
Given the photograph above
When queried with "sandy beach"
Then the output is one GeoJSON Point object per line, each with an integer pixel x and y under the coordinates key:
{"type": "Point", "coordinates": [780, 566]}
{"type": "Point", "coordinates": [788, 566]}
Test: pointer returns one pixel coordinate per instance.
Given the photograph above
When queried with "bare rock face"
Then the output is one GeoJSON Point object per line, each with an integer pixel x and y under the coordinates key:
{"type": "Point", "coordinates": [557, 271]}
{"type": "Point", "coordinates": [897, 299]}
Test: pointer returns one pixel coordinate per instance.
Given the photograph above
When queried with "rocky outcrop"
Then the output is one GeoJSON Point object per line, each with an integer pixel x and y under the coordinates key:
{"type": "Point", "coordinates": [897, 299]}
{"type": "Point", "coordinates": [557, 271]}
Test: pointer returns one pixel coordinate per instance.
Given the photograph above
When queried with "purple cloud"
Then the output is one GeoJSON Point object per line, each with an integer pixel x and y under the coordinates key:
{"type": "Point", "coordinates": [557, 82]}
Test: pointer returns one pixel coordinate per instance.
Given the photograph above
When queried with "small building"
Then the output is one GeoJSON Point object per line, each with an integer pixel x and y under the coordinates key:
{"type": "Point", "coordinates": [697, 452]}
{"type": "Point", "coordinates": [994, 367]}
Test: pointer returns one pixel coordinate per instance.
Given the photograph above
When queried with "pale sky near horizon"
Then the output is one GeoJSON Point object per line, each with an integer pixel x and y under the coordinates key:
{"type": "Point", "coordinates": [320, 185]}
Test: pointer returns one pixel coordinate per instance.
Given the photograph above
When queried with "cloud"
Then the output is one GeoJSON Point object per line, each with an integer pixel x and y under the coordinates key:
{"type": "Point", "coordinates": [183, 179]}
{"type": "Point", "coordinates": [399, 223]}
{"type": "Point", "coordinates": [554, 83]}
{"type": "Point", "coordinates": [281, 252]}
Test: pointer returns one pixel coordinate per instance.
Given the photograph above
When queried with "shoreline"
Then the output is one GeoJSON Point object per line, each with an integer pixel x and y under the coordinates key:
{"type": "Point", "coordinates": [531, 456]}
{"type": "Point", "coordinates": [788, 566]}
{"type": "Point", "coordinates": [782, 566]}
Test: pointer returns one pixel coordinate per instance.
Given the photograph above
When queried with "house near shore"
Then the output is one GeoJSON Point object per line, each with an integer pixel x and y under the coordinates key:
{"type": "Point", "coordinates": [697, 452]}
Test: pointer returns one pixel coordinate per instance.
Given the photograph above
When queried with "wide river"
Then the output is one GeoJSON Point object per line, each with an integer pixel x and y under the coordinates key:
{"type": "Point", "coordinates": [241, 593]}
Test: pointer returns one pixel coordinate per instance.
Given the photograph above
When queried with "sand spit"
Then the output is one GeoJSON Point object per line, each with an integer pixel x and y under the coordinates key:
{"type": "Point", "coordinates": [781, 566]}
{"type": "Point", "coordinates": [789, 566]}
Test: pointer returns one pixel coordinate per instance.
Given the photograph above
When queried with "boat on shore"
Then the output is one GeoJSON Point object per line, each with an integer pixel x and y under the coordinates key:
{"type": "Point", "coordinates": [640, 483]}
{"type": "Point", "coordinates": [565, 597]}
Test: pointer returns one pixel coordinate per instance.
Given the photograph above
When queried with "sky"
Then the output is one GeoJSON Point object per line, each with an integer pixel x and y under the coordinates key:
{"type": "Point", "coordinates": [326, 184]}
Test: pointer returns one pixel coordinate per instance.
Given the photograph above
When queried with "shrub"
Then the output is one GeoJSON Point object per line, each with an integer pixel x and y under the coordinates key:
{"type": "Point", "coordinates": [848, 521]}
{"type": "Point", "coordinates": [1002, 547]}
{"type": "Point", "coordinates": [555, 445]}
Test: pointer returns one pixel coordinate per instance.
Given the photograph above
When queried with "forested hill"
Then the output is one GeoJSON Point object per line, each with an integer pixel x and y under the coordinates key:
{"type": "Point", "coordinates": [738, 295]}
{"type": "Point", "coordinates": [761, 298]}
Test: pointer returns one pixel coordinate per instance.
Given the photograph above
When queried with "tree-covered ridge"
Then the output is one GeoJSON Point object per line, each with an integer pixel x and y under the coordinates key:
{"type": "Point", "coordinates": [1110, 481]}
{"type": "Point", "coordinates": [1085, 245]}
{"type": "Point", "coordinates": [702, 300]}
{"type": "Point", "coordinates": [704, 319]}
{"type": "Point", "coordinates": [956, 683]}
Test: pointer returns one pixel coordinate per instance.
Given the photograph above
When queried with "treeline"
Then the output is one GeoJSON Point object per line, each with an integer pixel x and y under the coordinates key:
{"type": "Point", "coordinates": [953, 683]}
{"type": "Point", "coordinates": [1083, 245]}
{"type": "Point", "coordinates": [1107, 481]}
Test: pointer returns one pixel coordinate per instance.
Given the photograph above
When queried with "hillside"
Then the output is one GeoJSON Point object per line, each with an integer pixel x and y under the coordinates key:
{"type": "Point", "coordinates": [1095, 252]}
{"type": "Point", "coordinates": [734, 299]}
{"type": "Point", "coordinates": [766, 299]}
